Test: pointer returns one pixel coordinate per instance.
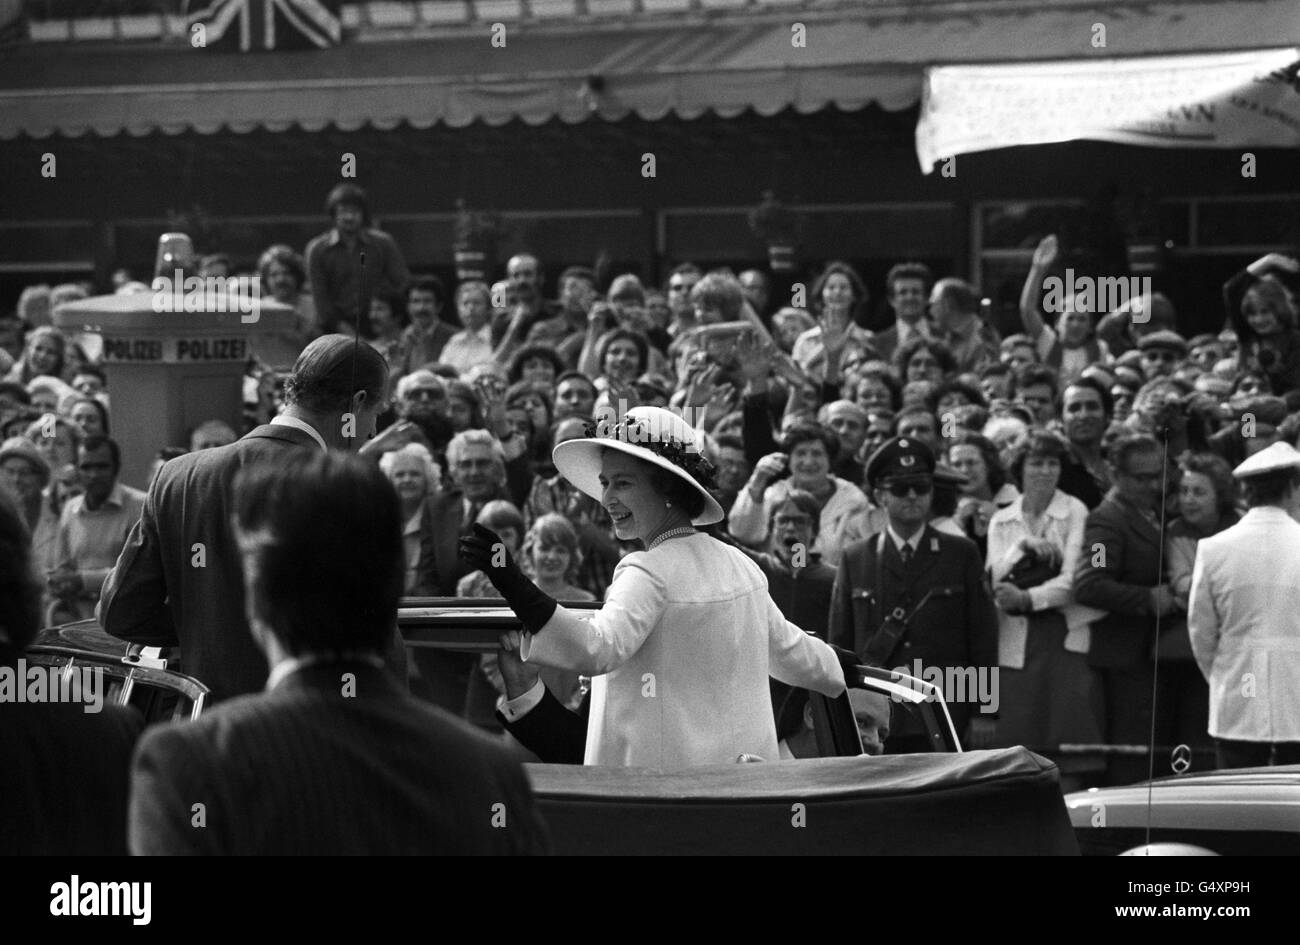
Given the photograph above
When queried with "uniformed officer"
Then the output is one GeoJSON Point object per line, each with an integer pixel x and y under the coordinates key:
{"type": "Point", "coordinates": [915, 599]}
{"type": "Point", "coordinates": [1242, 617]}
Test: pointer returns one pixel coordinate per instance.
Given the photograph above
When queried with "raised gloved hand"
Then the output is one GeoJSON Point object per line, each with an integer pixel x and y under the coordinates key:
{"type": "Point", "coordinates": [483, 549]}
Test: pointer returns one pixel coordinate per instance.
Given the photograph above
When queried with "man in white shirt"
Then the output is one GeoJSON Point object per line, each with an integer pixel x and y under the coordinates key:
{"type": "Point", "coordinates": [1242, 617]}
{"type": "Point", "coordinates": [93, 526]}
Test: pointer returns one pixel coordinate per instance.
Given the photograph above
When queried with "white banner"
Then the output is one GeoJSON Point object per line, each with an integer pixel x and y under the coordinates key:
{"type": "Point", "coordinates": [1247, 99]}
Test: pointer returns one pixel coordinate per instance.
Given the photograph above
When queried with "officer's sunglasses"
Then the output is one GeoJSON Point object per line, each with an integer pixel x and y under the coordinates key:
{"type": "Point", "coordinates": [899, 488]}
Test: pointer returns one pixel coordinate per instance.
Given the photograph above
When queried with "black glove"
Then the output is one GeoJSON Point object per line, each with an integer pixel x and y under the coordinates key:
{"type": "Point", "coordinates": [849, 664]}
{"type": "Point", "coordinates": [484, 550]}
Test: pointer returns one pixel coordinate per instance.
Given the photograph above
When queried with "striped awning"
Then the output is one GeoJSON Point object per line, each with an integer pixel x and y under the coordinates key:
{"type": "Point", "coordinates": [846, 55]}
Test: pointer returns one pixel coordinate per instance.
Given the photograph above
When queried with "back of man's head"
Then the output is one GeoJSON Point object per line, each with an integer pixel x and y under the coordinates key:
{"type": "Point", "coordinates": [333, 368]}
{"type": "Point", "coordinates": [321, 539]}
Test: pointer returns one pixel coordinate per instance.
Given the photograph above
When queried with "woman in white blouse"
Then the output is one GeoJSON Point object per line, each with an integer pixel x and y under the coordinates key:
{"type": "Point", "coordinates": [1045, 684]}
{"type": "Point", "coordinates": [681, 651]}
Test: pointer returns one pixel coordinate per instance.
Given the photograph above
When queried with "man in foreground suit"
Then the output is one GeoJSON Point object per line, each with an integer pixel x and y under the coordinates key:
{"type": "Point", "coordinates": [178, 581]}
{"type": "Point", "coordinates": [333, 758]}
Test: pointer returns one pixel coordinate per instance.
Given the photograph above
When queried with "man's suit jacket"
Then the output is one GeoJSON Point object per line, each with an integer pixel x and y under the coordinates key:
{"type": "Point", "coordinates": [556, 735]}
{"type": "Point", "coordinates": [1119, 565]}
{"type": "Point", "coordinates": [1243, 619]}
{"type": "Point", "coordinates": [957, 627]}
{"type": "Point", "coordinates": [334, 760]}
{"type": "Point", "coordinates": [441, 522]}
{"type": "Point", "coordinates": [64, 776]}
{"type": "Point", "coordinates": [179, 581]}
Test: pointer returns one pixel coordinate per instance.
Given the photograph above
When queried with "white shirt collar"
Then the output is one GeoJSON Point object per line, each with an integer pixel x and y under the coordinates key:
{"type": "Point", "coordinates": [303, 425]}
{"type": "Point", "coordinates": [287, 667]}
{"type": "Point", "coordinates": [914, 541]}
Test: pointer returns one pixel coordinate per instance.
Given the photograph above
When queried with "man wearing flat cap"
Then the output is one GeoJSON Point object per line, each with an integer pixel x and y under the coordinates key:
{"type": "Point", "coordinates": [913, 598]}
{"type": "Point", "coordinates": [1161, 352]}
{"type": "Point", "coordinates": [1242, 617]}
{"type": "Point", "coordinates": [179, 581]}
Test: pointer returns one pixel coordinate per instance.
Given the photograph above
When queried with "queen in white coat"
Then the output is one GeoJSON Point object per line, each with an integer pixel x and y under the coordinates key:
{"type": "Point", "coordinates": [681, 651]}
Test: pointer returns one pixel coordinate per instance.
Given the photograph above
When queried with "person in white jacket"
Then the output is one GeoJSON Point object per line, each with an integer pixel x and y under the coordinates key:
{"type": "Point", "coordinates": [681, 651]}
{"type": "Point", "coordinates": [809, 452]}
{"type": "Point", "coordinates": [1244, 617]}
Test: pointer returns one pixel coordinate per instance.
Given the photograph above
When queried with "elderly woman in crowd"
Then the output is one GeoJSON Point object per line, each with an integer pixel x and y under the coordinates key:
{"type": "Point", "coordinates": [689, 617]}
{"type": "Point", "coordinates": [25, 474]}
{"type": "Point", "coordinates": [987, 489]}
{"type": "Point", "coordinates": [50, 394]}
{"type": "Point", "coordinates": [1033, 549]}
{"type": "Point", "coordinates": [1207, 504]}
{"type": "Point", "coordinates": [44, 354]}
{"type": "Point", "coordinates": [415, 476]}
{"type": "Point", "coordinates": [809, 451]}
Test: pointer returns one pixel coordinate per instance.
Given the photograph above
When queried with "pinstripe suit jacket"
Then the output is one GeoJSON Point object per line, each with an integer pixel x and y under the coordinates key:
{"type": "Point", "coordinates": [308, 769]}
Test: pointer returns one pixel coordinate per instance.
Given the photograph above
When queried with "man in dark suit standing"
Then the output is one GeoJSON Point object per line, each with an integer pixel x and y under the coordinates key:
{"type": "Point", "coordinates": [178, 581]}
{"type": "Point", "coordinates": [477, 464]}
{"type": "Point", "coordinates": [916, 600]}
{"type": "Point", "coordinates": [1119, 572]}
{"type": "Point", "coordinates": [333, 758]}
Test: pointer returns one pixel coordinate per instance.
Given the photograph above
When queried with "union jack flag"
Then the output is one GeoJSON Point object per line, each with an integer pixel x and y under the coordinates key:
{"type": "Point", "coordinates": [269, 24]}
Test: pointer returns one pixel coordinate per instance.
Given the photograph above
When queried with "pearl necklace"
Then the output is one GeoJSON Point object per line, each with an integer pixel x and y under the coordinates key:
{"type": "Point", "coordinates": [671, 533]}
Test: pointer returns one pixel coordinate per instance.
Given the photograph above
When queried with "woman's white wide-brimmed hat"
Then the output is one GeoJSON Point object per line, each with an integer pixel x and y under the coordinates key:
{"type": "Point", "coordinates": [651, 434]}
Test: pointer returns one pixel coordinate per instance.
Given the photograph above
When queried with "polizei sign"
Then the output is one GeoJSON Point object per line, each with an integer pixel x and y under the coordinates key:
{"type": "Point", "coordinates": [175, 350]}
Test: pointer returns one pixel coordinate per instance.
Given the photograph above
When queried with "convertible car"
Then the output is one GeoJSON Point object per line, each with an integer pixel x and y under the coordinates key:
{"type": "Point", "coordinates": [948, 801]}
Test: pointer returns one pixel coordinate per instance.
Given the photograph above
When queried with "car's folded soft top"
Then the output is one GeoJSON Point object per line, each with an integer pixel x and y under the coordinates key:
{"type": "Point", "coordinates": [983, 802]}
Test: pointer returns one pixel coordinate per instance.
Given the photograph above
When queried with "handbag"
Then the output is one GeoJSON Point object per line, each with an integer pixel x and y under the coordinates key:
{"type": "Point", "coordinates": [1031, 571]}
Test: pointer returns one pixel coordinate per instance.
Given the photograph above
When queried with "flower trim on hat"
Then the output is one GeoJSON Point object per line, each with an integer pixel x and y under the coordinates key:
{"type": "Point", "coordinates": [686, 457]}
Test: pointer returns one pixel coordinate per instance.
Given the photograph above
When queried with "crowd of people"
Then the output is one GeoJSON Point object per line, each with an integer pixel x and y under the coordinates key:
{"type": "Point", "coordinates": [1032, 502]}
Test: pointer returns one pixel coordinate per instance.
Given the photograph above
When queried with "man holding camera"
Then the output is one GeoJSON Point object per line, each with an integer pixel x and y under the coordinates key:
{"type": "Point", "coordinates": [911, 595]}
